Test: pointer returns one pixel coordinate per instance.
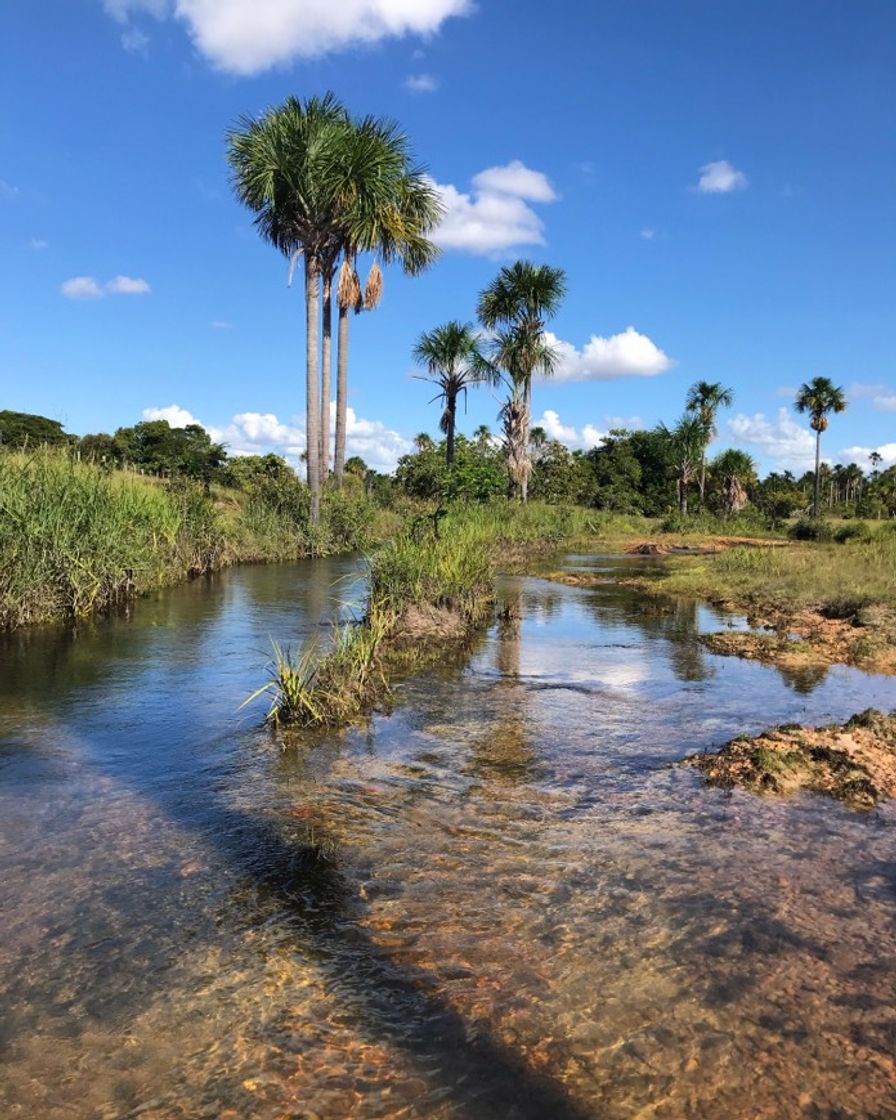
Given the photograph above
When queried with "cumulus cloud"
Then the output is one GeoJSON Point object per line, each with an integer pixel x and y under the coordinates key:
{"type": "Point", "coordinates": [628, 354]}
{"type": "Point", "coordinates": [86, 287]}
{"type": "Point", "coordinates": [719, 177]}
{"type": "Point", "coordinates": [81, 287]}
{"type": "Point", "coordinates": [516, 179]}
{"type": "Point", "coordinates": [887, 452]}
{"type": "Point", "coordinates": [176, 416]}
{"type": "Point", "coordinates": [494, 216]}
{"type": "Point", "coordinates": [583, 438]}
{"type": "Point", "coordinates": [421, 83]}
{"type": "Point", "coordinates": [256, 433]}
{"type": "Point", "coordinates": [128, 286]}
{"type": "Point", "coordinates": [244, 38]}
{"type": "Point", "coordinates": [783, 438]}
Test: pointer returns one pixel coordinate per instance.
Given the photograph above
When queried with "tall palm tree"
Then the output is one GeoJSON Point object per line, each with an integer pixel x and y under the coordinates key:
{"type": "Point", "coordinates": [875, 459]}
{"type": "Point", "coordinates": [517, 305]}
{"type": "Point", "coordinates": [450, 354]}
{"type": "Point", "coordinates": [387, 207]}
{"type": "Point", "coordinates": [282, 169]}
{"type": "Point", "coordinates": [818, 398]}
{"type": "Point", "coordinates": [705, 398]}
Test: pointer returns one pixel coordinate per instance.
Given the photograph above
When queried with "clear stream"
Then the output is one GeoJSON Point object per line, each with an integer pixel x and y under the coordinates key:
{"type": "Point", "coordinates": [501, 900]}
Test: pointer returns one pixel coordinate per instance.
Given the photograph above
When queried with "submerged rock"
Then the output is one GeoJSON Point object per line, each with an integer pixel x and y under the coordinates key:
{"type": "Point", "coordinates": [854, 762]}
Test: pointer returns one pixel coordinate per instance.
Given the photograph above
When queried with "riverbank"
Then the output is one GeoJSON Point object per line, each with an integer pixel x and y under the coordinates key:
{"type": "Point", "coordinates": [854, 762]}
{"type": "Point", "coordinates": [77, 539]}
{"type": "Point", "coordinates": [809, 603]}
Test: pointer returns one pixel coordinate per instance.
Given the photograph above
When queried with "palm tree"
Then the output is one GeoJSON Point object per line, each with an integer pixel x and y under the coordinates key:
{"type": "Point", "coordinates": [705, 398]}
{"type": "Point", "coordinates": [735, 471]}
{"type": "Point", "coordinates": [685, 445]}
{"type": "Point", "coordinates": [876, 459]}
{"type": "Point", "coordinates": [387, 206]}
{"type": "Point", "coordinates": [282, 169]}
{"type": "Point", "coordinates": [451, 356]}
{"type": "Point", "coordinates": [818, 398]}
{"type": "Point", "coordinates": [516, 305]}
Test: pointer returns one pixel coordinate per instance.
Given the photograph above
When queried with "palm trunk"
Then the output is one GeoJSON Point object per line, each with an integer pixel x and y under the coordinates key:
{"type": "Point", "coordinates": [326, 366]}
{"type": "Point", "coordinates": [451, 410]}
{"type": "Point", "coordinates": [312, 396]}
{"type": "Point", "coordinates": [682, 497]}
{"type": "Point", "coordinates": [524, 439]}
{"type": "Point", "coordinates": [703, 478]}
{"type": "Point", "coordinates": [341, 395]}
{"type": "Point", "coordinates": [816, 505]}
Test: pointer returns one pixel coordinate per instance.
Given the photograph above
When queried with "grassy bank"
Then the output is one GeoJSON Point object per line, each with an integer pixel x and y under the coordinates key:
{"type": "Point", "coordinates": [76, 539]}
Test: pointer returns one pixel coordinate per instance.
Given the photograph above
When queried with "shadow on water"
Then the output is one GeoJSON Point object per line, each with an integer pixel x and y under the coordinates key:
{"type": "Point", "coordinates": [273, 869]}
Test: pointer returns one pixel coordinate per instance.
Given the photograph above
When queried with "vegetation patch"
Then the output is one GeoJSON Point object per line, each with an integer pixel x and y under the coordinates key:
{"type": "Point", "coordinates": [854, 762]}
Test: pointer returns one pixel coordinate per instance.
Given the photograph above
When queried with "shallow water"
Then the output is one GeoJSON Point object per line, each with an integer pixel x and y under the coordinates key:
{"type": "Point", "coordinates": [501, 900]}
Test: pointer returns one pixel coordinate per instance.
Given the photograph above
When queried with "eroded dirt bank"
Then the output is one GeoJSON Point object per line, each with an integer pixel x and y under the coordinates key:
{"type": "Point", "coordinates": [854, 762]}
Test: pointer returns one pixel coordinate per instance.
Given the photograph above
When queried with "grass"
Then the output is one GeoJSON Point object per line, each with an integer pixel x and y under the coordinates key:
{"type": "Point", "coordinates": [836, 579]}
{"type": "Point", "coordinates": [76, 539]}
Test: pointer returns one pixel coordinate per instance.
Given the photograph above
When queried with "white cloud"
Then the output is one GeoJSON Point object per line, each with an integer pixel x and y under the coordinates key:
{"type": "Point", "coordinates": [887, 452]}
{"type": "Point", "coordinates": [7, 190]}
{"type": "Point", "coordinates": [495, 215]}
{"type": "Point", "coordinates": [248, 38]}
{"type": "Point", "coordinates": [587, 437]}
{"type": "Point", "coordinates": [128, 286]}
{"type": "Point", "coordinates": [176, 416]}
{"type": "Point", "coordinates": [421, 83]}
{"type": "Point", "coordinates": [38, 243]}
{"type": "Point", "coordinates": [648, 234]}
{"type": "Point", "coordinates": [629, 354]}
{"type": "Point", "coordinates": [122, 10]}
{"type": "Point", "coordinates": [783, 438]}
{"type": "Point", "coordinates": [85, 287]}
{"type": "Point", "coordinates": [885, 403]}
{"type": "Point", "coordinates": [221, 325]}
{"type": "Point", "coordinates": [515, 179]}
{"type": "Point", "coordinates": [81, 287]}
{"type": "Point", "coordinates": [720, 177]}
{"type": "Point", "coordinates": [134, 40]}
{"type": "Point", "coordinates": [256, 433]}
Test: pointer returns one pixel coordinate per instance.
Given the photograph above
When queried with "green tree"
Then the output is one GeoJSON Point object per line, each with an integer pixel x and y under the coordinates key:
{"type": "Point", "coordinates": [685, 444]}
{"type": "Point", "coordinates": [386, 206]}
{"type": "Point", "coordinates": [20, 429]}
{"type": "Point", "coordinates": [819, 397]}
{"type": "Point", "coordinates": [516, 305]}
{"type": "Point", "coordinates": [452, 360]}
{"type": "Point", "coordinates": [704, 400]}
{"type": "Point", "coordinates": [283, 170]}
{"type": "Point", "coordinates": [734, 473]}
{"type": "Point", "coordinates": [153, 445]}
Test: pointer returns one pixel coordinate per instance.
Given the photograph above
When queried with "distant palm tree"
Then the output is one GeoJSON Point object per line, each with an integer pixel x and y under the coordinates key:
{"type": "Point", "coordinates": [483, 435]}
{"type": "Point", "coordinates": [734, 471]}
{"type": "Point", "coordinates": [876, 459]}
{"type": "Point", "coordinates": [705, 398]}
{"type": "Point", "coordinates": [517, 304]}
{"type": "Point", "coordinates": [281, 165]}
{"type": "Point", "coordinates": [818, 398]}
{"type": "Point", "coordinates": [387, 206]}
{"type": "Point", "coordinates": [685, 445]}
{"type": "Point", "coordinates": [452, 359]}
{"type": "Point", "coordinates": [423, 441]}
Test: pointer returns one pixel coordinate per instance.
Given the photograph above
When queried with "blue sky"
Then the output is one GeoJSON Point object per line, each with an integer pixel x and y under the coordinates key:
{"type": "Point", "coordinates": [577, 134]}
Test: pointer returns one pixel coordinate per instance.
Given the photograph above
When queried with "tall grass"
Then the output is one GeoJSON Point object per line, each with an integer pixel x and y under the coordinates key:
{"type": "Point", "coordinates": [75, 538]}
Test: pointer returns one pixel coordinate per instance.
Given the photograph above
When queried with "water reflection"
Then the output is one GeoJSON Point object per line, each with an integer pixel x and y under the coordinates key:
{"type": "Point", "coordinates": [498, 901]}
